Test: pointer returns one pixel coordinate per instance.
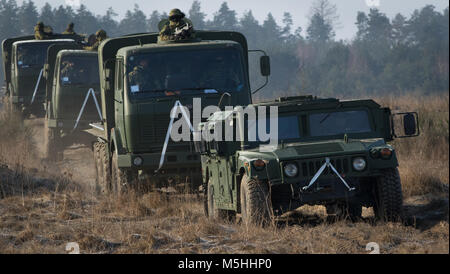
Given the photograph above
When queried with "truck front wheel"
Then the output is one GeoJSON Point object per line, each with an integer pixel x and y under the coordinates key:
{"type": "Point", "coordinates": [121, 179]}
{"type": "Point", "coordinates": [53, 144]}
{"type": "Point", "coordinates": [389, 199]}
{"type": "Point", "coordinates": [256, 206]}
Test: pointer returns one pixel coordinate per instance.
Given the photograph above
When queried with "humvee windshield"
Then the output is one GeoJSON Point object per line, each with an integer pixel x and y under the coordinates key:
{"type": "Point", "coordinates": [212, 70]}
{"type": "Point", "coordinates": [337, 123]}
{"type": "Point", "coordinates": [32, 55]}
{"type": "Point", "coordinates": [320, 125]}
{"type": "Point", "coordinates": [79, 70]}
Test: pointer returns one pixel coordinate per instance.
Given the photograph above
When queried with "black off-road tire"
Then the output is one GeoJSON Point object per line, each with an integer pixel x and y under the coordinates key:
{"type": "Point", "coordinates": [214, 213]}
{"type": "Point", "coordinates": [256, 205]}
{"type": "Point", "coordinates": [122, 179]}
{"type": "Point", "coordinates": [99, 187]}
{"type": "Point", "coordinates": [388, 204]}
{"type": "Point", "coordinates": [105, 165]}
{"type": "Point", "coordinates": [53, 146]}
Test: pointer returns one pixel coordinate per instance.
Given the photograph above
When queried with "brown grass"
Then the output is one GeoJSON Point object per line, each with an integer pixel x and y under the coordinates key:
{"type": "Point", "coordinates": [42, 211]}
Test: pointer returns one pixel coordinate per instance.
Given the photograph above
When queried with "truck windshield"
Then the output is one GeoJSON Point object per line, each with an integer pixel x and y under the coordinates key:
{"type": "Point", "coordinates": [209, 71]}
{"type": "Point", "coordinates": [32, 55]}
{"type": "Point", "coordinates": [339, 122]}
{"type": "Point", "coordinates": [76, 70]}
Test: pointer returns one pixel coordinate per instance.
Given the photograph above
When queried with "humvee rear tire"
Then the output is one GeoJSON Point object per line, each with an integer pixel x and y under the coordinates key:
{"type": "Point", "coordinates": [389, 199]}
{"type": "Point", "coordinates": [256, 206]}
{"type": "Point", "coordinates": [122, 179]}
{"type": "Point", "coordinates": [214, 213]}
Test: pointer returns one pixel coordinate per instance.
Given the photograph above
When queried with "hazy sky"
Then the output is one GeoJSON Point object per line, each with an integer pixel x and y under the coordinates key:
{"type": "Point", "coordinates": [299, 9]}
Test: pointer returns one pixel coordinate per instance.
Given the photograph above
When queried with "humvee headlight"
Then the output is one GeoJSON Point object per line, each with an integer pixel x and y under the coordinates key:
{"type": "Point", "coordinates": [386, 153]}
{"type": "Point", "coordinates": [291, 170]}
{"type": "Point", "coordinates": [259, 164]}
{"type": "Point", "coordinates": [359, 164]}
{"type": "Point", "coordinates": [138, 161]}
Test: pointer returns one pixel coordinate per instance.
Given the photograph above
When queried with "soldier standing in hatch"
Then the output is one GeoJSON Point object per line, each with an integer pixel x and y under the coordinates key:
{"type": "Point", "coordinates": [178, 27]}
{"type": "Point", "coordinates": [40, 33]}
{"type": "Point", "coordinates": [100, 35]}
{"type": "Point", "coordinates": [69, 29]}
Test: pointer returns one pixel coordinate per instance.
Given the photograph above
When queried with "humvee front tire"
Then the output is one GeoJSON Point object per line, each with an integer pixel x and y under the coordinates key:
{"type": "Point", "coordinates": [389, 199]}
{"type": "Point", "coordinates": [256, 207]}
{"type": "Point", "coordinates": [212, 212]}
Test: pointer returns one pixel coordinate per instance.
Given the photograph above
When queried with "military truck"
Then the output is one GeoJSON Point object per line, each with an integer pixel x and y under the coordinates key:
{"type": "Point", "coordinates": [23, 60]}
{"type": "Point", "coordinates": [72, 84]}
{"type": "Point", "coordinates": [136, 110]}
{"type": "Point", "coordinates": [330, 152]}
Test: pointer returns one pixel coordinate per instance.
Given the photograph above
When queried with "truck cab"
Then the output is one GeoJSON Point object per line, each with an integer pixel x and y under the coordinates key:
{"type": "Point", "coordinates": [142, 80]}
{"type": "Point", "coordinates": [328, 152]}
{"type": "Point", "coordinates": [73, 96]}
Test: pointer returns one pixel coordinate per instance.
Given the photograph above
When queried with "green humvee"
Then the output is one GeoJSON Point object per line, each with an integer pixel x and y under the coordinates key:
{"type": "Point", "coordinates": [72, 97]}
{"type": "Point", "coordinates": [23, 61]}
{"type": "Point", "coordinates": [132, 139]}
{"type": "Point", "coordinates": [330, 152]}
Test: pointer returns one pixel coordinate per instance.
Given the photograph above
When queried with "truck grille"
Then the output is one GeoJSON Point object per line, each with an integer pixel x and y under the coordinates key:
{"type": "Point", "coordinates": [309, 168]}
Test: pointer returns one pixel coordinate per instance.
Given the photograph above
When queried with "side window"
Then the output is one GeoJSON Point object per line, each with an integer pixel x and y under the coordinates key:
{"type": "Point", "coordinates": [119, 74]}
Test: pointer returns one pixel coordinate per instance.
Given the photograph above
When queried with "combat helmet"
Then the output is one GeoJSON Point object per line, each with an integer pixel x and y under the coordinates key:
{"type": "Point", "coordinates": [176, 14]}
{"type": "Point", "coordinates": [101, 34]}
{"type": "Point", "coordinates": [40, 24]}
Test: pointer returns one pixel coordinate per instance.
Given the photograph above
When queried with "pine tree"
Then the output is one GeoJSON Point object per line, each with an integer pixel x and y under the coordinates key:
{"type": "Point", "coordinates": [153, 21]}
{"type": "Point", "coordinates": [225, 19]}
{"type": "Point", "coordinates": [28, 17]}
{"type": "Point", "coordinates": [197, 16]}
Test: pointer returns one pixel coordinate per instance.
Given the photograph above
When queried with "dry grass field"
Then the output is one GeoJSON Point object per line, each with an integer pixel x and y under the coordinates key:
{"type": "Point", "coordinates": [44, 206]}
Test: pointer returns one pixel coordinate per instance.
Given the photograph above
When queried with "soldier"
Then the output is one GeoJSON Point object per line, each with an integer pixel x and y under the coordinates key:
{"type": "Point", "coordinates": [69, 29]}
{"type": "Point", "coordinates": [140, 78]}
{"type": "Point", "coordinates": [177, 28]}
{"type": "Point", "coordinates": [40, 33]}
{"type": "Point", "coordinates": [100, 35]}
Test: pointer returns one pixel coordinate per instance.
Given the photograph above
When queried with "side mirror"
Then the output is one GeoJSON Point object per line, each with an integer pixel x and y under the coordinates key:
{"type": "Point", "coordinates": [264, 62]}
{"type": "Point", "coordinates": [409, 124]}
{"type": "Point", "coordinates": [405, 125]}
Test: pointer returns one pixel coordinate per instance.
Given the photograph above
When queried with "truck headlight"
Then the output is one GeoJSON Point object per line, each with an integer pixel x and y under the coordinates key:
{"type": "Point", "coordinates": [138, 161]}
{"type": "Point", "coordinates": [359, 164]}
{"type": "Point", "coordinates": [291, 170]}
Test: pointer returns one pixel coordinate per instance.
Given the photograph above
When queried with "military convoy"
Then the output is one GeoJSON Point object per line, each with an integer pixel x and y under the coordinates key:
{"type": "Point", "coordinates": [121, 98]}
{"type": "Point", "coordinates": [330, 152]}
{"type": "Point", "coordinates": [23, 66]}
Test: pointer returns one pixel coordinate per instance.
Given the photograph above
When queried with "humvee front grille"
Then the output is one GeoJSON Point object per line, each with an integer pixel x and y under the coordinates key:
{"type": "Point", "coordinates": [310, 168]}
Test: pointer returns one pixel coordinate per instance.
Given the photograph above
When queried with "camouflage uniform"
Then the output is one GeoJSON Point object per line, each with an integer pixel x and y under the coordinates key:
{"type": "Point", "coordinates": [100, 35]}
{"type": "Point", "coordinates": [40, 33]}
{"type": "Point", "coordinates": [69, 29]}
{"type": "Point", "coordinates": [177, 28]}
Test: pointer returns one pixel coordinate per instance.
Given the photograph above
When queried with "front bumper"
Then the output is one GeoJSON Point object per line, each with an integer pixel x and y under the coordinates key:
{"type": "Point", "coordinates": [174, 162]}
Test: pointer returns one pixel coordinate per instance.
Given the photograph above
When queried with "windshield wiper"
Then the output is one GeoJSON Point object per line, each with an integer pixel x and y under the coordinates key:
{"type": "Point", "coordinates": [329, 113]}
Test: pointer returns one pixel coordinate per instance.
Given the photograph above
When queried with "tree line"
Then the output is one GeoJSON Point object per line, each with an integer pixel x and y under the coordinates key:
{"type": "Point", "coordinates": [386, 55]}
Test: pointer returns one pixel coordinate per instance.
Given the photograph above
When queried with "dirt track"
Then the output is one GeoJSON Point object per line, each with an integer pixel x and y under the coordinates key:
{"type": "Point", "coordinates": [57, 205]}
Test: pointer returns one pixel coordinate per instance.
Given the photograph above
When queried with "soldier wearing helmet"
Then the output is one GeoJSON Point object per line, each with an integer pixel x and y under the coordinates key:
{"type": "Point", "coordinates": [40, 33]}
{"type": "Point", "coordinates": [69, 29]}
{"type": "Point", "coordinates": [100, 35]}
{"type": "Point", "coordinates": [177, 27]}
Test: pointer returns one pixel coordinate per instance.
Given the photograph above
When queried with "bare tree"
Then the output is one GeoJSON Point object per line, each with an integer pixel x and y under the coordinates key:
{"type": "Point", "coordinates": [326, 10]}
